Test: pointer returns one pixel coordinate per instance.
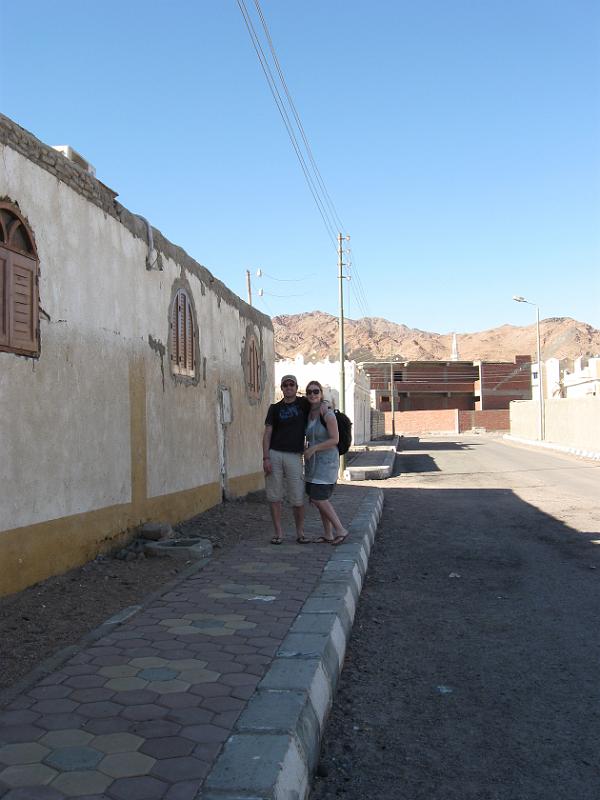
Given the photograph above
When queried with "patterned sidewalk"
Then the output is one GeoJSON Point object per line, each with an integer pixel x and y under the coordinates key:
{"type": "Point", "coordinates": [143, 713]}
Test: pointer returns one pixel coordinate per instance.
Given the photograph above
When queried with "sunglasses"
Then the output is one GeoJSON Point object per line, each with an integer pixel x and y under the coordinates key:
{"type": "Point", "coordinates": [313, 391]}
{"type": "Point", "coordinates": [287, 384]}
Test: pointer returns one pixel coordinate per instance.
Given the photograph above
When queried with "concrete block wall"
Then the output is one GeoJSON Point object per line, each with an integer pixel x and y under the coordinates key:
{"type": "Point", "coordinates": [572, 422]}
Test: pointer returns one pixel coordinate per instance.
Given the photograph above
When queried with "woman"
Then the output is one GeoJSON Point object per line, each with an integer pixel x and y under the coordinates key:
{"type": "Point", "coordinates": [322, 463]}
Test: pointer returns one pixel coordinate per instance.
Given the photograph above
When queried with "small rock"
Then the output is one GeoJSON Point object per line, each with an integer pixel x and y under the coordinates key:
{"type": "Point", "coordinates": [156, 530]}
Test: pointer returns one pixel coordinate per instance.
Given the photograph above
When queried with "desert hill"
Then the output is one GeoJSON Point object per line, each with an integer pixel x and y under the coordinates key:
{"type": "Point", "coordinates": [314, 335]}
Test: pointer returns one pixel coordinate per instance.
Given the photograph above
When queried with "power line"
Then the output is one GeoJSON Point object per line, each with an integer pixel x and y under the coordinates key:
{"type": "Point", "coordinates": [292, 122]}
{"type": "Point", "coordinates": [261, 274]}
{"type": "Point", "coordinates": [286, 119]}
{"type": "Point", "coordinates": [298, 120]}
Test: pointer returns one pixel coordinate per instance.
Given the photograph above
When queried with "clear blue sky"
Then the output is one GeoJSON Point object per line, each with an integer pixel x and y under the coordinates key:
{"type": "Point", "coordinates": [458, 139]}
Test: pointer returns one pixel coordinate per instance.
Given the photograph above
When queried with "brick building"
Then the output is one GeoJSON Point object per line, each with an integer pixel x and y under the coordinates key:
{"type": "Point", "coordinates": [441, 385]}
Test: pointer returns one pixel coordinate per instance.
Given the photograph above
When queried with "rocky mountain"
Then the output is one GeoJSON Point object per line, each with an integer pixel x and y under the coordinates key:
{"type": "Point", "coordinates": [314, 334]}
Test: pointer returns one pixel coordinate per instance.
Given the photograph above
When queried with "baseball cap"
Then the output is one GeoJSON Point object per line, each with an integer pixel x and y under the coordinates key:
{"type": "Point", "coordinates": [289, 378]}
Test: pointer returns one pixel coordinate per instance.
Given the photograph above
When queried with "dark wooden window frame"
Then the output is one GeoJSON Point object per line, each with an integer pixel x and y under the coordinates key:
{"type": "Point", "coordinates": [183, 335]}
{"type": "Point", "coordinates": [19, 285]}
{"type": "Point", "coordinates": [253, 368]}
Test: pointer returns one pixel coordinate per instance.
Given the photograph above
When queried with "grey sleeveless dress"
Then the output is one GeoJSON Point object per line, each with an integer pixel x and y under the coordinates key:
{"type": "Point", "coordinates": [323, 467]}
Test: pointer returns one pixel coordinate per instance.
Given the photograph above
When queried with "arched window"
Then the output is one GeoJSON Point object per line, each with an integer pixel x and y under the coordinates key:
{"type": "Point", "coordinates": [19, 311]}
{"type": "Point", "coordinates": [183, 356]}
{"type": "Point", "coordinates": [253, 368]}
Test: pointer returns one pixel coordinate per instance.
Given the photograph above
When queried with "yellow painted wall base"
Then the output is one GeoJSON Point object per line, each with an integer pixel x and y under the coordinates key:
{"type": "Point", "coordinates": [35, 552]}
{"type": "Point", "coordinates": [244, 484]}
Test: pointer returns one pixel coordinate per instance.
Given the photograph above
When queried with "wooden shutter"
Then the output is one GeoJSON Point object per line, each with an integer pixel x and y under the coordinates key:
{"type": "Point", "coordinates": [189, 338]}
{"type": "Point", "coordinates": [4, 330]}
{"type": "Point", "coordinates": [23, 303]}
{"type": "Point", "coordinates": [253, 368]}
{"type": "Point", "coordinates": [182, 335]}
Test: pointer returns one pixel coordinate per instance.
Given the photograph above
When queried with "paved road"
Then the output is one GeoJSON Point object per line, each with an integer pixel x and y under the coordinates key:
{"type": "Point", "coordinates": [473, 669]}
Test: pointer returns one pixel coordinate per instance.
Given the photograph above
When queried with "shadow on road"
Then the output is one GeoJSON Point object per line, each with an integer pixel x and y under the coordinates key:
{"type": "Point", "coordinates": [472, 669]}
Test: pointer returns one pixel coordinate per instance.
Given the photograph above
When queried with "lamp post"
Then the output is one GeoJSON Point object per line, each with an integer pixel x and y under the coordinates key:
{"type": "Point", "coordinates": [520, 299]}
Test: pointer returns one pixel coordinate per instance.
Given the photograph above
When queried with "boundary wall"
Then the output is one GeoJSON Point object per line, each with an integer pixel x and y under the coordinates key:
{"type": "Point", "coordinates": [446, 421]}
{"type": "Point", "coordinates": [571, 422]}
{"type": "Point", "coordinates": [98, 434]}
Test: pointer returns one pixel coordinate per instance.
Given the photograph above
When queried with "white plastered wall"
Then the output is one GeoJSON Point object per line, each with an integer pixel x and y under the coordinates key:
{"type": "Point", "coordinates": [64, 426]}
{"type": "Point", "coordinates": [65, 418]}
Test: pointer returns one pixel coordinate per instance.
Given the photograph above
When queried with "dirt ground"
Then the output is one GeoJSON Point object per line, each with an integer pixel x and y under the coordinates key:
{"type": "Point", "coordinates": [43, 619]}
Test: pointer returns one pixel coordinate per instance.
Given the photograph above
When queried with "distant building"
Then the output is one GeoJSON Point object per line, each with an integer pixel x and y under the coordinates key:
{"type": "Point", "coordinates": [436, 385]}
{"type": "Point", "coordinates": [579, 377]}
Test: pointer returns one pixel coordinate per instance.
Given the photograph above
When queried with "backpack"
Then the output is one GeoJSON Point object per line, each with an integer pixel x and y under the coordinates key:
{"type": "Point", "coordinates": [344, 424]}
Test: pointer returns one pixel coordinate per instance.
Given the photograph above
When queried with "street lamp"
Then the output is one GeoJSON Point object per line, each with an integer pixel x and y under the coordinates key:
{"type": "Point", "coordinates": [520, 299]}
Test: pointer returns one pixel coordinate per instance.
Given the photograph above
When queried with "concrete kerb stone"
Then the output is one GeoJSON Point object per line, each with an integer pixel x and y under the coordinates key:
{"type": "Point", "coordinates": [274, 749]}
{"type": "Point", "coordinates": [575, 451]}
{"type": "Point", "coordinates": [272, 764]}
{"type": "Point", "coordinates": [380, 471]}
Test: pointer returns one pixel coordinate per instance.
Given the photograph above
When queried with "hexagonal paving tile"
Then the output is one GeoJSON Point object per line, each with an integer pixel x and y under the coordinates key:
{"type": "Point", "coordinates": [148, 662]}
{"type": "Point", "coordinates": [74, 759]}
{"type": "Point", "coordinates": [22, 753]}
{"type": "Point", "coordinates": [168, 747]}
{"type": "Point", "coordinates": [119, 671]}
{"type": "Point", "coordinates": [163, 673]}
{"type": "Point", "coordinates": [27, 775]}
{"type": "Point", "coordinates": [126, 765]}
{"type": "Point", "coordinates": [117, 743]}
{"type": "Point", "coordinates": [126, 684]}
{"type": "Point", "coordinates": [87, 782]}
{"type": "Point", "coordinates": [199, 676]}
{"type": "Point", "coordinates": [169, 687]}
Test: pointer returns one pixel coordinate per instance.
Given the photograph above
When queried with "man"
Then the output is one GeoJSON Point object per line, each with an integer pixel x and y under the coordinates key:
{"type": "Point", "coordinates": [283, 445]}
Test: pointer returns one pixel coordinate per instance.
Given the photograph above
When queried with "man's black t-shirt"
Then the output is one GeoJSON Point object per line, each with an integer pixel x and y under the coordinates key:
{"type": "Point", "coordinates": [288, 421]}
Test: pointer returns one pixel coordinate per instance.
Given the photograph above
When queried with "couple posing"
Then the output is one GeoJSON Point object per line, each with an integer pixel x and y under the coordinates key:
{"type": "Point", "coordinates": [288, 424]}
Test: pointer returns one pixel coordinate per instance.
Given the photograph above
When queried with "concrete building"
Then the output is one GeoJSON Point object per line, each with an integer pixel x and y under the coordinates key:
{"type": "Point", "coordinates": [358, 400]}
{"type": "Point", "coordinates": [447, 396]}
{"type": "Point", "coordinates": [436, 385]}
{"type": "Point", "coordinates": [579, 377]}
{"type": "Point", "coordinates": [132, 382]}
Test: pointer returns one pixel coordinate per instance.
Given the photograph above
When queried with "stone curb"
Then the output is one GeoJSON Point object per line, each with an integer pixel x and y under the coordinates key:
{"type": "Point", "coordinates": [593, 454]}
{"type": "Point", "coordinates": [379, 471]}
{"type": "Point", "coordinates": [274, 749]}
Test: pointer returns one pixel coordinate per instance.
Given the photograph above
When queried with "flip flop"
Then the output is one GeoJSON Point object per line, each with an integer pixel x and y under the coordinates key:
{"type": "Point", "coordinates": [303, 540]}
{"type": "Point", "coordinates": [340, 539]}
{"type": "Point", "coordinates": [323, 540]}
{"type": "Point", "coordinates": [276, 540]}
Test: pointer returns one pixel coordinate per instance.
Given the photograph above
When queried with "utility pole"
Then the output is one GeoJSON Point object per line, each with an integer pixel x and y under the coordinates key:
{"type": "Point", "coordinates": [341, 336]}
{"type": "Point", "coordinates": [249, 286]}
{"type": "Point", "coordinates": [392, 398]}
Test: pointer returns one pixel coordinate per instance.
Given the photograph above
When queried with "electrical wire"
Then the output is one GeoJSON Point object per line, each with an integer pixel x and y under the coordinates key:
{"type": "Point", "coordinates": [312, 174]}
{"type": "Point", "coordinates": [286, 119]}
{"type": "Point", "coordinates": [303, 294]}
{"type": "Point", "coordinates": [286, 280]}
{"type": "Point", "coordinates": [298, 120]}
